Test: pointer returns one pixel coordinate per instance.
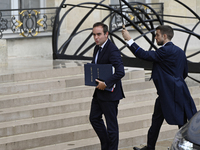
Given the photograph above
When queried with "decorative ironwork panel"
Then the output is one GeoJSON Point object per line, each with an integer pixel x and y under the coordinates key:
{"type": "Point", "coordinates": [28, 22]}
{"type": "Point", "coordinates": [3, 25]}
{"type": "Point", "coordinates": [141, 12]}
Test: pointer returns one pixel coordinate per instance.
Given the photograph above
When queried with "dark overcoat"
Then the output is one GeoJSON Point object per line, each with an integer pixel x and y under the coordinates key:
{"type": "Point", "coordinates": [110, 55]}
{"type": "Point", "coordinates": [168, 73]}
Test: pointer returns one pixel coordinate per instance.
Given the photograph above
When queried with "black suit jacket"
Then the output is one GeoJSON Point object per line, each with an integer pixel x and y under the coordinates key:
{"type": "Point", "coordinates": [110, 55]}
{"type": "Point", "coordinates": [168, 73]}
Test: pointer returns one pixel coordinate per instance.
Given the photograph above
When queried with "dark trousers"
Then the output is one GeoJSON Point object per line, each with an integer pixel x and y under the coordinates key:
{"type": "Point", "coordinates": [108, 136]}
{"type": "Point", "coordinates": [157, 120]}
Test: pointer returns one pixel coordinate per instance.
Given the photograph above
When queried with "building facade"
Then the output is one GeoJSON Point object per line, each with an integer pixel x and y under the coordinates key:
{"type": "Point", "coordinates": [28, 30]}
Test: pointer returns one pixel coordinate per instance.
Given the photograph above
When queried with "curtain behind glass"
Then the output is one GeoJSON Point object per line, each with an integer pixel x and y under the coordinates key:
{"type": "Point", "coordinates": [142, 1]}
{"type": "Point", "coordinates": [5, 4]}
{"type": "Point", "coordinates": [30, 4]}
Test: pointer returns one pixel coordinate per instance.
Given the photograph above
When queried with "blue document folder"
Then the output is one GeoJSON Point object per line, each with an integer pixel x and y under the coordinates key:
{"type": "Point", "coordinates": [97, 71]}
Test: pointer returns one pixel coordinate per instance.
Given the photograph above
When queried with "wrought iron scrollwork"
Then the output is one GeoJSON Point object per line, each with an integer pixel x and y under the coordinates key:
{"type": "Point", "coordinates": [3, 25]}
{"type": "Point", "coordinates": [140, 16]}
{"type": "Point", "coordinates": [52, 21]}
{"type": "Point", "coordinates": [148, 24]}
{"type": "Point", "coordinates": [29, 23]}
{"type": "Point", "coordinates": [141, 11]}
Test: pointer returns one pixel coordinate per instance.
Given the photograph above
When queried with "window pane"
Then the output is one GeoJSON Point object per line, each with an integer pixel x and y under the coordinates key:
{"type": "Point", "coordinates": [141, 1]}
{"type": "Point", "coordinates": [5, 4]}
{"type": "Point", "coordinates": [30, 4]}
{"type": "Point", "coordinates": [112, 2]}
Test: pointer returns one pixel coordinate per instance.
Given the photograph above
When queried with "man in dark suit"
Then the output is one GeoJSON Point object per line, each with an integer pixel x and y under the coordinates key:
{"type": "Point", "coordinates": [174, 102]}
{"type": "Point", "coordinates": [105, 102]}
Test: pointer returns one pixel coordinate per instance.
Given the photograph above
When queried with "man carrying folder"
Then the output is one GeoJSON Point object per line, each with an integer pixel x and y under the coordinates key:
{"type": "Point", "coordinates": [105, 102]}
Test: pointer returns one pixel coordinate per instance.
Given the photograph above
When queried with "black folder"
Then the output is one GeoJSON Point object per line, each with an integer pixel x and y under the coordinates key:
{"type": "Point", "coordinates": [97, 71]}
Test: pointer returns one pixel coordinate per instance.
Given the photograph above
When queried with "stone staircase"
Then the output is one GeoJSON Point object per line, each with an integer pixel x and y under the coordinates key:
{"type": "Point", "coordinates": [48, 110]}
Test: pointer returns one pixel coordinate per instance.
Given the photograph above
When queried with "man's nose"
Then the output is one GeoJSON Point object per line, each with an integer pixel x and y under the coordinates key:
{"type": "Point", "coordinates": [95, 36]}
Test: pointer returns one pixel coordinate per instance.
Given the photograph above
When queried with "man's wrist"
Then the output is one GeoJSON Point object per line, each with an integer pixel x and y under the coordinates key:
{"type": "Point", "coordinates": [130, 42]}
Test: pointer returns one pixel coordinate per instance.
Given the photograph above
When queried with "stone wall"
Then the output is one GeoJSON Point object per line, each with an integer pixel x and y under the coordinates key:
{"type": "Point", "coordinates": [3, 53]}
{"type": "Point", "coordinates": [26, 47]}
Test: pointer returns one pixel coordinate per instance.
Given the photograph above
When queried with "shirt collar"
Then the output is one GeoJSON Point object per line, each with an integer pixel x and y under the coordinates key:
{"type": "Point", "coordinates": [102, 46]}
{"type": "Point", "coordinates": [166, 43]}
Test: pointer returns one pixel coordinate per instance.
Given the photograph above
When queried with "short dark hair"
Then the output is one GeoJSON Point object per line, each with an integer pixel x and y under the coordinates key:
{"type": "Point", "coordinates": [104, 26]}
{"type": "Point", "coordinates": [166, 29]}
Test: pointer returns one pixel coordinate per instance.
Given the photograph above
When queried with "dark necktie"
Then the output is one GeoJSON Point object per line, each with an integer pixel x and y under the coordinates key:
{"type": "Point", "coordinates": [98, 54]}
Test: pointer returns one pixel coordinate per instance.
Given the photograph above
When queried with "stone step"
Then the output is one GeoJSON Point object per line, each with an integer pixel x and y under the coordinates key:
{"type": "Point", "coordinates": [48, 118]}
{"type": "Point", "coordinates": [72, 105]}
{"type": "Point", "coordinates": [31, 98]}
{"type": "Point", "coordinates": [65, 120]}
{"type": "Point", "coordinates": [64, 136]}
{"type": "Point", "coordinates": [22, 99]}
{"type": "Point", "coordinates": [130, 138]}
{"type": "Point", "coordinates": [45, 109]}
{"type": "Point", "coordinates": [70, 71]}
{"type": "Point", "coordinates": [134, 137]}
{"type": "Point", "coordinates": [78, 115]}
{"type": "Point", "coordinates": [127, 123]}
{"type": "Point", "coordinates": [71, 133]}
{"type": "Point", "coordinates": [59, 72]}
{"type": "Point", "coordinates": [34, 86]}
{"type": "Point", "coordinates": [57, 83]}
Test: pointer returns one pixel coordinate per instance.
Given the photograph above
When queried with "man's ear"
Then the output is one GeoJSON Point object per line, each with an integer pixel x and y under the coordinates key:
{"type": "Point", "coordinates": [165, 36]}
{"type": "Point", "coordinates": [106, 34]}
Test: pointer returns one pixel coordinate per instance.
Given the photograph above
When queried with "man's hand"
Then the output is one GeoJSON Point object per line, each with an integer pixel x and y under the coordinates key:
{"type": "Point", "coordinates": [126, 35]}
{"type": "Point", "coordinates": [101, 85]}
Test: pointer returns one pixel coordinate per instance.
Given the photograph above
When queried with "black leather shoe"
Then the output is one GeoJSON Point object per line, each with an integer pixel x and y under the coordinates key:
{"type": "Point", "coordinates": [143, 148]}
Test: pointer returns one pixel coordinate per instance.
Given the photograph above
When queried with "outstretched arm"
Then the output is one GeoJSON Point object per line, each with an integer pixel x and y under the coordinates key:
{"type": "Point", "coordinates": [138, 51]}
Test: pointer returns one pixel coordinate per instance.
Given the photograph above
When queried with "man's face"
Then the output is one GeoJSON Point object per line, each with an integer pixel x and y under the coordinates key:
{"type": "Point", "coordinates": [99, 35]}
{"type": "Point", "coordinates": [159, 38]}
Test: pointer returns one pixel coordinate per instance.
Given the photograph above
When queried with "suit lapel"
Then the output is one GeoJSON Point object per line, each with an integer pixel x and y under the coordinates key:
{"type": "Point", "coordinates": [103, 51]}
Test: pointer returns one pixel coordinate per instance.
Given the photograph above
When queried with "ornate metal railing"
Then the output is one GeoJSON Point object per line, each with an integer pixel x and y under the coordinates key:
{"type": "Point", "coordinates": [29, 22]}
{"type": "Point", "coordinates": [141, 12]}
{"type": "Point", "coordinates": [143, 18]}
